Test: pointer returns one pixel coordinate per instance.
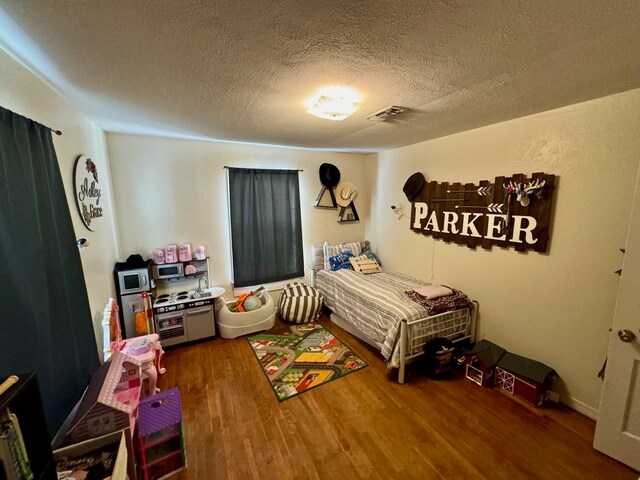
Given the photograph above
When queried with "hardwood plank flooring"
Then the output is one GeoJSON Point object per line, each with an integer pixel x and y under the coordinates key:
{"type": "Point", "coordinates": [367, 426]}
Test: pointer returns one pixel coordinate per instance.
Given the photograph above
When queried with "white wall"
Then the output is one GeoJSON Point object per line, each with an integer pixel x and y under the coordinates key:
{"type": "Point", "coordinates": [555, 307]}
{"type": "Point", "coordinates": [174, 191]}
{"type": "Point", "coordinates": [24, 93]}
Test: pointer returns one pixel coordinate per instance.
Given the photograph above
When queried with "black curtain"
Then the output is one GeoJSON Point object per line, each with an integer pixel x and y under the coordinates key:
{"type": "Point", "coordinates": [266, 226]}
{"type": "Point", "coordinates": [45, 318]}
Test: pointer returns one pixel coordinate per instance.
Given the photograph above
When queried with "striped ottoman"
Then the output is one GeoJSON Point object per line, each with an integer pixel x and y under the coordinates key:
{"type": "Point", "coordinates": [300, 303]}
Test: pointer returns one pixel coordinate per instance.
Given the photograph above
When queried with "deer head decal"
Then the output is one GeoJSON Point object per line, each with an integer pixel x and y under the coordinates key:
{"type": "Point", "coordinates": [524, 192]}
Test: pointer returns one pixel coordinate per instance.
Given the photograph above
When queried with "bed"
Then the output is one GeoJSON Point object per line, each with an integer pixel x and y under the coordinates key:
{"type": "Point", "coordinates": [376, 309]}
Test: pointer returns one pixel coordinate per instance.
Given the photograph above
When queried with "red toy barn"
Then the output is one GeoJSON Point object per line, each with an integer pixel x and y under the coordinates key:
{"type": "Point", "coordinates": [482, 361]}
{"type": "Point", "coordinates": [488, 363]}
{"type": "Point", "coordinates": [526, 378]}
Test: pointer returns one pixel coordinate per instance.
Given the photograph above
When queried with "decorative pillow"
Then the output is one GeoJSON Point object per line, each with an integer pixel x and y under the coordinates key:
{"type": "Point", "coordinates": [364, 246]}
{"type": "Point", "coordinates": [333, 250]}
{"type": "Point", "coordinates": [365, 265]}
{"type": "Point", "coordinates": [341, 261]}
{"type": "Point", "coordinates": [369, 254]}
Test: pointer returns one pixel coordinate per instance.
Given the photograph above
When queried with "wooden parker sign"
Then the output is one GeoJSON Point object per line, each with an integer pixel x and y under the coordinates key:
{"type": "Point", "coordinates": [511, 212]}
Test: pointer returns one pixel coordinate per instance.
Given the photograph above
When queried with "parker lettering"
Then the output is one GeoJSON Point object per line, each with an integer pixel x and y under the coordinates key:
{"type": "Point", "coordinates": [467, 224]}
{"type": "Point", "coordinates": [89, 191]}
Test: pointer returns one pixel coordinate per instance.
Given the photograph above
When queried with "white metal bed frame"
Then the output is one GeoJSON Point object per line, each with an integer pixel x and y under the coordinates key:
{"type": "Point", "coordinates": [456, 325]}
{"type": "Point", "coordinates": [415, 333]}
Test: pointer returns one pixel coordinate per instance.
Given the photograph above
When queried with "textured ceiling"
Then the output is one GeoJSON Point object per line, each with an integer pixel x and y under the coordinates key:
{"type": "Point", "coordinates": [240, 70]}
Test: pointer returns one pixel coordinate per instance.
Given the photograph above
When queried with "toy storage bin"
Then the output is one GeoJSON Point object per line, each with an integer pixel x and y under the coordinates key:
{"type": "Point", "coordinates": [235, 324]}
{"type": "Point", "coordinates": [160, 439]}
{"type": "Point", "coordinates": [123, 466]}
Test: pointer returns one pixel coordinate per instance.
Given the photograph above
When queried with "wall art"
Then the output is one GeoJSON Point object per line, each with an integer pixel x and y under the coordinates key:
{"type": "Point", "coordinates": [87, 192]}
{"type": "Point", "coordinates": [510, 212]}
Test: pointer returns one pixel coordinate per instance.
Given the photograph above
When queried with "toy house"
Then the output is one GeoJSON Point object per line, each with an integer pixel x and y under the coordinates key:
{"type": "Point", "coordinates": [481, 362]}
{"type": "Point", "coordinates": [110, 401]}
{"type": "Point", "coordinates": [489, 363]}
{"type": "Point", "coordinates": [160, 439]}
{"type": "Point", "coordinates": [524, 377]}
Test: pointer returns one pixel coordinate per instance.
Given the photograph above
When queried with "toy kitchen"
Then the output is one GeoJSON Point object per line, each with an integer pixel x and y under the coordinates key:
{"type": "Point", "coordinates": [171, 292]}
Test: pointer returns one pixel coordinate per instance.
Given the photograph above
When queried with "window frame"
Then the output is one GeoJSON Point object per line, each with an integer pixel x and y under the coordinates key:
{"type": "Point", "coordinates": [269, 282]}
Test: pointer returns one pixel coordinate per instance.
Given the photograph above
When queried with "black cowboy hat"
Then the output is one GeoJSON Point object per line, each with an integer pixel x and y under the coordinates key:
{"type": "Point", "coordinates": [413, 186]}
{"type": "Point", "coordinates": [329, 175]}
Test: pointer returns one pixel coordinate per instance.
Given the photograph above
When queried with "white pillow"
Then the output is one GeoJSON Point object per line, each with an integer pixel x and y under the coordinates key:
{"type": "Point", "coordinates": [331, 250]}
{"type": "Point", "coordinates": [317, 257]}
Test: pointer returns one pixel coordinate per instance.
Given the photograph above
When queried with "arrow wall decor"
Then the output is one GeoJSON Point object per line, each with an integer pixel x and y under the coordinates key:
{"type": "Point", "coordinates": [488, 214]}
{"type": "Point", "coordinates": [448, 199]}
{"type": "Point", "coordinates": [480, 191]}
{"type": "Point", "coordinates": [492, 207]}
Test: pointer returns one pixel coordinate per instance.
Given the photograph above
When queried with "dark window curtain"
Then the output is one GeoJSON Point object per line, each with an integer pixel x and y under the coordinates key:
{"type": "Point", "coordinates": [45, 318]}
{"type": "Point", "coordinates": [266, 226]}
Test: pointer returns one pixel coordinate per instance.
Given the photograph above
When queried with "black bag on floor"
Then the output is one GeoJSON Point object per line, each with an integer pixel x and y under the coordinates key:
{"type": "Point", "coordinates": [438, 357]}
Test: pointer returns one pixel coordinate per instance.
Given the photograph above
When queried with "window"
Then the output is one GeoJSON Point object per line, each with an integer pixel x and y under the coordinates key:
{"type": "Point", "coordinates": [266, 227]}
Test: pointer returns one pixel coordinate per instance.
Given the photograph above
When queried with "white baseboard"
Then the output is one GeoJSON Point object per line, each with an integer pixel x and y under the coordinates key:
{"type": "Point", "coordinates": [581, 407]}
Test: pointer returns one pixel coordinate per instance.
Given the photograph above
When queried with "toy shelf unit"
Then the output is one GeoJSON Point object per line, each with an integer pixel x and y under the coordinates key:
{"type": "Point", "coordinates": [167, 273]}
{"type": "Point", "coordinates": [25, 451]}
{"type": "Point", "coordinates": [160, 440]}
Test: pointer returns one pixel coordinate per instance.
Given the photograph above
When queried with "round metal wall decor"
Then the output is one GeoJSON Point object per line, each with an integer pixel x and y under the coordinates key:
{"type": "Point", "coordinates": [87, 192]}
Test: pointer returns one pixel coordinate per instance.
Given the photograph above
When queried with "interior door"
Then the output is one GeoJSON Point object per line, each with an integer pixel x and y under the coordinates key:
{"type": "Point", "coordinates": [618, 426]}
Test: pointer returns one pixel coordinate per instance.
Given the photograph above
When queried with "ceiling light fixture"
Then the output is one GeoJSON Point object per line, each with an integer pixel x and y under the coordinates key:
{"type": "Point", "coordinates": [333, 103]}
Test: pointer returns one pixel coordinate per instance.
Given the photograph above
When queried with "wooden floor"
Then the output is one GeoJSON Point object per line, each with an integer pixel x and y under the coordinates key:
{"type": "Point", "coordinates": [367, 426]}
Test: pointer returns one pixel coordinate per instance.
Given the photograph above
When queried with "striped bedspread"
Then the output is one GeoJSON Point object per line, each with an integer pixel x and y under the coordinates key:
{"type": "Point", "coordinates": [374, 304]}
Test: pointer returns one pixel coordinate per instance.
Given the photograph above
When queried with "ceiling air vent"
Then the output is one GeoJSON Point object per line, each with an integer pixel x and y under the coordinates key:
{"type": "Point", "coordinates": [385, 114]}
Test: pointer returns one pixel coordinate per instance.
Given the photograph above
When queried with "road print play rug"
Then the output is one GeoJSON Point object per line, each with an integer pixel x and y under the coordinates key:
{"type": "Point", "coordinates": [303, 358]}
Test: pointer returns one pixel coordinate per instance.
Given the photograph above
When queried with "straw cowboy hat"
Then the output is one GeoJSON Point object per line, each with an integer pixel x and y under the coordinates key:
{"type": "Point", "coordinates": [329, 175]}
{"type": "Point", "coordinates": [345, 193]}
{"type": "Point", "coordinates": [413, 186]}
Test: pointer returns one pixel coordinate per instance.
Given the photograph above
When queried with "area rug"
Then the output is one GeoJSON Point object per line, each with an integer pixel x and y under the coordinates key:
{"type": "Point", "coordinates": [303, 358]}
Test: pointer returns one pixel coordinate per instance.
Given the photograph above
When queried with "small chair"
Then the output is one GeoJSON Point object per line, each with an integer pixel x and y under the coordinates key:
{"type": "Point", "coordinates": [300, 303]}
